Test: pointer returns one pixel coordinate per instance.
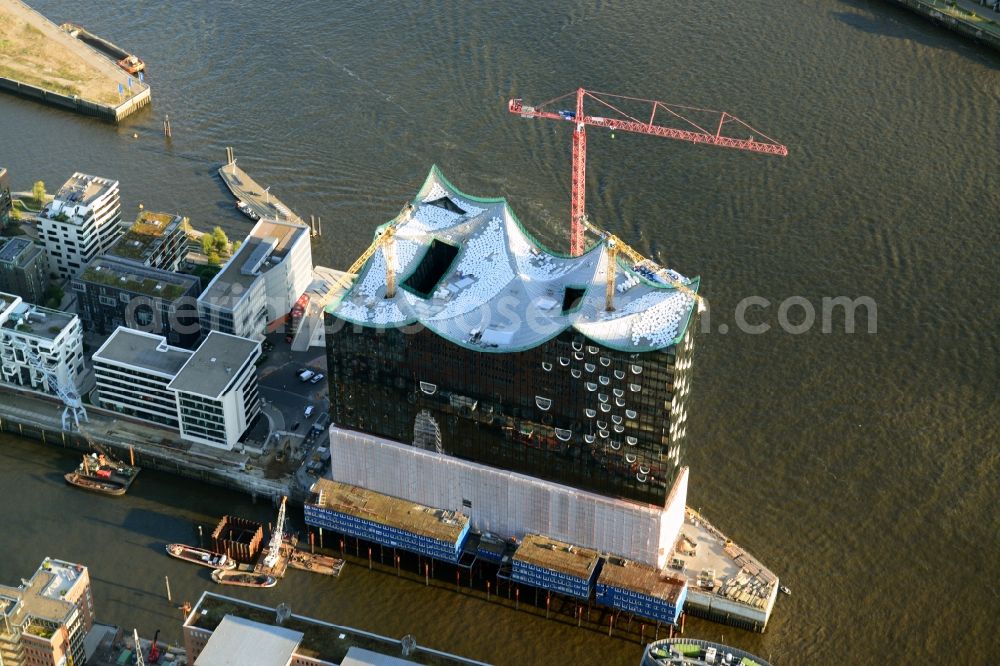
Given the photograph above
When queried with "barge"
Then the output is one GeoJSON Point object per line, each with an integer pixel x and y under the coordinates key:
{"type": "Point", "coordinates": [200, 556]}
{"type": "Point", "coordinates": [100, 473]}
{"type": "Point", "coordinates": [243, 578]}
{"type": "Point", "coordinates": [127, 61]}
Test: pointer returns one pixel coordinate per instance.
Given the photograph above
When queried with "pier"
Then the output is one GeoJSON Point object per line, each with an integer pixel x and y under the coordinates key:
{"type": "Point", "coordinates": [978, 20]}
{"type": "Point", "coordinates": [250, 192]}
{"type": "Point", "coordinates": [41, 61]}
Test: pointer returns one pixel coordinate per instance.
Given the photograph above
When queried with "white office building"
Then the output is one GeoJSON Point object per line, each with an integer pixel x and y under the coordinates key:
{"type": "Point", "coordinates": [37, 341]}
{"type": "Point", "coordinates": [82, 222]}
{"type": "Point", "coordinates": [256, 289]}
{"type": "Point", "coordinates": [209, 395]}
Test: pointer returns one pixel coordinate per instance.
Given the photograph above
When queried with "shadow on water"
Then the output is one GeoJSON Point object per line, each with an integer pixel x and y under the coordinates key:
{"type": "Point", "coordinates": [889, 20]}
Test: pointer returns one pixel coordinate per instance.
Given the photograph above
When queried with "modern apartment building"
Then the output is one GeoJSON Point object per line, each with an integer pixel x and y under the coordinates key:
{"type": "Point", "coordinates": [5, 201]}
{"type": "Point", "coordinates": [24, 269]}
{"type": "Point", "coordinates": [157, 240]}
{"type": "Point", "coordinates": [209, 395]}
{"type": "Point", "coordinates": [36, 342]}
{"type": "Point", "coordinates": [498, 374]}
{"type": "Point", "coordinates": [115, 292]}
{"type": "Point", "coordinates": [257, 288]}
{"type": "Point", "coordinates": [82, 222]}
{"type": "Point", "coordinates": [44, 621]}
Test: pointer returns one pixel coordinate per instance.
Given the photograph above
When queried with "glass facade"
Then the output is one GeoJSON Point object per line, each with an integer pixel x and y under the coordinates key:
{"type": "Point", "coordinates": [568, 410]}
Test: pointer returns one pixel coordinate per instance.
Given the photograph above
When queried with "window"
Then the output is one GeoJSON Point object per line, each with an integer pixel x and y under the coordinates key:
{"type": "Point", "coordinates": [563, 435]}
{"type": "Point", "coordinates": [632, 441]}
{"type": "Point", "coordinates": [591, 386]}
{"type": "Point", "coordinates": [604, 381]}
{"type": "Point", "coordinates": [563, 361]}
{"type": "Point", "coordinates": [619, 393]}
{"type": "Point", "coordinates": [619, 374]}
{"type": "Point", "coordinates": [546, 366]}
{"type": "Point", "coordinates": [605, 361]}
{"type": "Point", "coordinates": [636, 369]}
{"type": "Point", "coordinates": [630, 413]}
{"type": "Point", "coordinates": [635, 388]}
{"type": "Point", "coordinates": [543, 403]}
{"type": "Point", "coordinates": [589, 367]}
{"type": "Point", "coordinates": [616, 445]}
{"type": "Point", "coordinates": [428, 388]}
{"type": "Point", "coordinates": [576, 373]}
{"type": "Point", "coordinates": [590, 413]}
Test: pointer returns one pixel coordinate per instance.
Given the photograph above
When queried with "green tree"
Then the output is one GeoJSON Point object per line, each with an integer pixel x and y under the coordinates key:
{"type": "Point", "coordinates": [38, 192]}
{"type": "Point", "coordinates": [220, 239]}
{"type": "Point", "coordinates": [213, 258]}
{"type": "Point", "coordinates": [236, 246]}
{"type": "Point", "coordinates": [207, 244]}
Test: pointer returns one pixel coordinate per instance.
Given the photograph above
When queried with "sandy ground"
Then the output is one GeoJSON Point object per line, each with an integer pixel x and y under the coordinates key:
{"type": "Point", "coordinates": [36, 51]}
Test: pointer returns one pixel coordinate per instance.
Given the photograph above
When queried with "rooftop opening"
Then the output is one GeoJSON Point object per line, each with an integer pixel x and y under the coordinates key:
{"type": "Point", "coordinates": [447, 204]}
{"type": "Point", "coordinates": [572, 298]}
{"type": "Point", "coordinates": [435, 263]}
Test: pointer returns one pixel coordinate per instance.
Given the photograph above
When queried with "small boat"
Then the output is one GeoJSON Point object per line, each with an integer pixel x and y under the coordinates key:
{"type": "Point", "coordinates": [243, 578]}
{"type": "Point", "coordinates": [96, 484]}
{"type": "Point", "coordinates": [245, 208]}
{"type": "Point", "coordinates": [784, 589]}
{"type": "Point", "coordinates": [205, 558]}
{"type": "Point", "coordinates": [132, 64]}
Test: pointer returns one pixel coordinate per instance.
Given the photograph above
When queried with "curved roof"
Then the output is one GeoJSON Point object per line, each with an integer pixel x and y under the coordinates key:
{"type": "Point", "coordinates": [504, 291]}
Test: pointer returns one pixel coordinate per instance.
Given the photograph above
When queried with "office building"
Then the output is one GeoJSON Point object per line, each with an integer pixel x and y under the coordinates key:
{"type": "Point", "coordinates": [209, 395]}
{"type": "Point", "coordinates": [257, 288]}
{"type": "Point", "coordinates": [39, 346]}
{"type": "Point", "coordinates": [223, 631]}
{"type": "Point", "coordinates": [82, 222]}
{"type": "Point", "coordinates": [43, 621]}
{"type": "Point", "coordinates": [157, 240]}
{"type": "Point", "coordinates": [114, 292]}
{"type": "Point", "coordinates": [498, 363]}
{"type": "Point", "coordinates": [24, 269]}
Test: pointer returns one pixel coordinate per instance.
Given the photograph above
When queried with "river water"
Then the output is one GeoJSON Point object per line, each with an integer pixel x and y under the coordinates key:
{"type": "Point", "coordinates": [862, 468]}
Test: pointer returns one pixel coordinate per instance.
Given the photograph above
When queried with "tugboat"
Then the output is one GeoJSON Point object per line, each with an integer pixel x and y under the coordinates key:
{"type": "Point", "coordinates": [245, 208]}
{"type": "Point", "coordinates": [243, 578]}
{"type": "Point", "coordinates": [205, 558]}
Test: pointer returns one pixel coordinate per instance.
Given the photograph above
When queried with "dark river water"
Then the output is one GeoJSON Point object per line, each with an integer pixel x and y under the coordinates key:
{"type": "Point", "coordinates": [862, 468]}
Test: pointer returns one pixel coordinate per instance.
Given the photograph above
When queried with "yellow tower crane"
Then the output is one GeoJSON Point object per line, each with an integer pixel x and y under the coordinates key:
{"type": "Point", "coordinates": [615, 246]}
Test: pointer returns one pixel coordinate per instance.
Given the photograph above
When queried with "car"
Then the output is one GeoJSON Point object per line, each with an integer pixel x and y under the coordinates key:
{"type": "Point", "coordinates": [309, 411]}
{"type": "Point", "coordinates": [318, 377]}
{"type": "Point", "coordinates": [306, 375]}
{"type": "Point", "coordinates": [295, 426]}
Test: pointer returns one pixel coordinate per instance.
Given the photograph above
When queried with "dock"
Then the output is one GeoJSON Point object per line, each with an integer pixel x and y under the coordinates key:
{"type": "Point", "coordinates": [314, 563]}
{"type": "Point", "coordinates": [40, 61]}
{"type": "Point", "coordinates": [249, 191]}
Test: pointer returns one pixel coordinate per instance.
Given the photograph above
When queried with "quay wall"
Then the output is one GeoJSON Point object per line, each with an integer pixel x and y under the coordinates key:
{"type": "Point", "coordinates": [149, 453]}
{"type": "Point", "coordinates": [113, 114]}
{"type": "Point", "coordinates": [968, 29]}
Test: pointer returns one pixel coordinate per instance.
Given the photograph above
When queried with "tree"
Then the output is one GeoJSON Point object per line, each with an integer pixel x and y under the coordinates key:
{"type": "Point", "coordinates": [236, 246]}
{"type": "Point", "coordinates": [213, 258]}
{"type": "Point", "coordinates": [207, 244]}
{"type": "Point", "coordinates": [38, 192]}
{"type": "Point", "coordinates": [220, 239]}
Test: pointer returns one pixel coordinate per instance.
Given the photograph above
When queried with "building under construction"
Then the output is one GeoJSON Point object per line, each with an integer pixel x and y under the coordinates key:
{"type": "Point", "coordinates": [542, 395]}
{"type": "Point", "coordinates": [238, 538]}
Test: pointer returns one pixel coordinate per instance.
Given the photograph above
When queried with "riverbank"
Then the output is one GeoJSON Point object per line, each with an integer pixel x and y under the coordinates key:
{"type": "Point", "coordinates": [40, 61]}
{"type": "Point", "coordinates": [977, 23]}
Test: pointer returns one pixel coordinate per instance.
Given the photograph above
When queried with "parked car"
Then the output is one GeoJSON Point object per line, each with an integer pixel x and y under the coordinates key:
{"type": "Point", "coordinates": [318, 377]}
{"type": "Point", "coordinates": [309, 411]}
{"type": "Point", "coordinates": [306, 375]}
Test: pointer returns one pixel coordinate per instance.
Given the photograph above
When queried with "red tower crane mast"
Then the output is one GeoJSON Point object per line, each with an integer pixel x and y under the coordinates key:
{"type": "Point", "coordinates": [685, 123]}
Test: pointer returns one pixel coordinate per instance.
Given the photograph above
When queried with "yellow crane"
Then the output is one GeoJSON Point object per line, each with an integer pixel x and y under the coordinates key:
{"type": "Point", "coordinates": [615, 246]}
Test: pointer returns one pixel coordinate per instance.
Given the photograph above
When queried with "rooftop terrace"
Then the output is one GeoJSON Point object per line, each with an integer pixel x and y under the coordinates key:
{"type": "Point", "coordinates": [143, 350]}
{"type": "Point", "coordinates": [320, 640]}
{"type": "Point", "coordinates": [146, 235]}
{"type": "Point", "coordinates": [31, 319]}
{"type": "Point", "coordinates": [545, 552]}
{"type": "Point", "coordinates": [84, 190]}
{"type": "Point", "coordinates": [416, 518]}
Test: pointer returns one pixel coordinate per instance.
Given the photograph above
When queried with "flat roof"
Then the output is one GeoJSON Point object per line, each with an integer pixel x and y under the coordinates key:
{"type": "Point", "coordinates": [320, 640]}
{"type": "Point", "coordinates": [144, 350]}
{"type": "Point", "coordinates": [41, 597]}
{"type": "Point", "coordinates": [556, 555]}
{"type": "Point", "coordinates": [82, 189]}
{"type": "Point", "coordinates": [268, 243]}
{"type": "Point", "coordinates": [35, 320]}
{"type": "Point", "coordinates": [214, 365]}
{"type": "Point", "coordinates": [238, 641]}
{"type": "Point", "coordinates": [146, 234]}
{"type": "Point", "coordinates": [643, 578]}
{"type": "Point", "coordinates": [13, 247]}
{"type": "Point", "coordinates": [370, 505]}
{"type": "Point", "coordinates": [136, 277]}
{"type": "Point", "coordinates": [493, 265]}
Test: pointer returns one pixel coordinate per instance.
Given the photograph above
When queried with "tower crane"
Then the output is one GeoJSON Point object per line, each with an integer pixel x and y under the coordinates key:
{"type": "Point", "coordinates": [683, 126]}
